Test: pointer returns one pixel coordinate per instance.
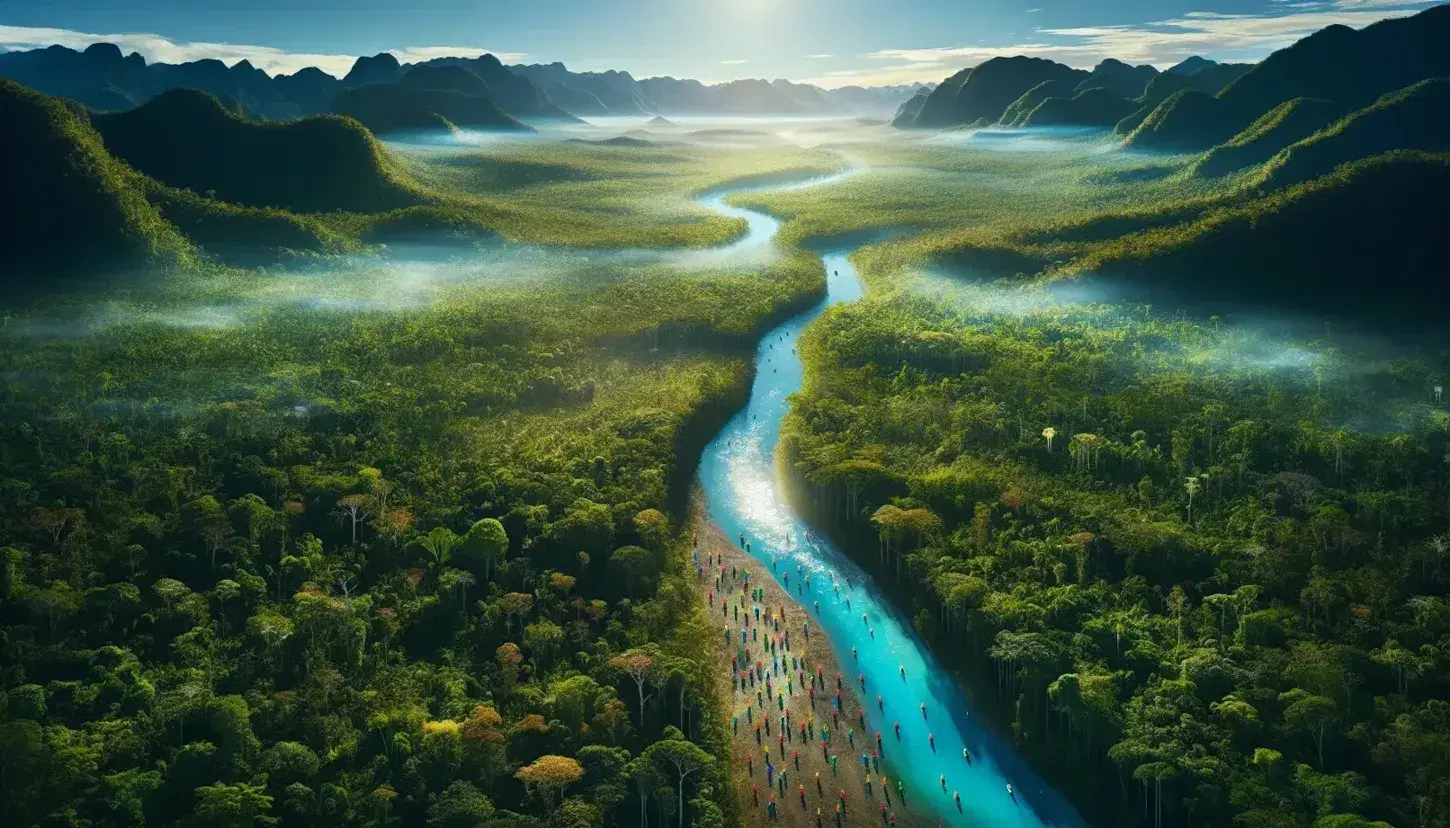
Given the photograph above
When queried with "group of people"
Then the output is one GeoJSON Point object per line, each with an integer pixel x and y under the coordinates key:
{"type": "Point", "coordinates": [767, 670]}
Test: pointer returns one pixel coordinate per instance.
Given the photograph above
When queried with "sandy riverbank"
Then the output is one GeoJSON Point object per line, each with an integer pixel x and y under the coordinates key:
{"type": "Point", "coordinates": [862, 809]}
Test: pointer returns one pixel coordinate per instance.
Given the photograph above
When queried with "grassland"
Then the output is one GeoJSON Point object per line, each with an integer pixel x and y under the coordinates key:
{"type": "Point", "coordinates": [1033, 198]}
{"type": "Point", "coordinates": [586, 194]}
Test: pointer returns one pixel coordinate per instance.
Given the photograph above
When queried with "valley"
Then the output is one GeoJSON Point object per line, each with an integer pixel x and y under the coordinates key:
{"type": "Point", "coordinates": [380, 449]}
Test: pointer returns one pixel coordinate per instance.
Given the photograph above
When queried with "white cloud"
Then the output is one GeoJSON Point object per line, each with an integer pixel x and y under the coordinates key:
{"type": "Point", "coordinates": [818, 57]}
{"type": "Point", "coordinates": [1162, 43]}
{"type": "Point", "coordinates": [158, 49]}
{"type": "Point", "coordinates": [418, 54]}
{"type": "Point", "coordinates": [731, 62]}
{"type": "Point", "coordinates": [1033, 11]}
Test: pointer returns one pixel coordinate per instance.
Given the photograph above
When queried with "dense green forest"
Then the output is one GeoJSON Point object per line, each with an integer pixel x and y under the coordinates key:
{"type": "Point", "coordinates": [365, 542]}
{"type": "Point", "coordinates": [1200, 570]}
{"type": "Point", "coordinates": [350, 482]}
{"type": "Point", "coordinates": [354, 568]}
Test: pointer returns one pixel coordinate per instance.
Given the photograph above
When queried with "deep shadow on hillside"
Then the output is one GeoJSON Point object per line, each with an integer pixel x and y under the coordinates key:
{"type": "Point", "coordinates": [1363, 243]}
{"type": "Point", "coordinates": [1283, 125]}
{"type": "Point", "coordinates": [68, 204]}
{"type": "Point", "coordinates": [1337, 63]}
{"type": "Point", "coordinates": [187, 139]}
{"type": "Point", "coordinates": [1415, 118]}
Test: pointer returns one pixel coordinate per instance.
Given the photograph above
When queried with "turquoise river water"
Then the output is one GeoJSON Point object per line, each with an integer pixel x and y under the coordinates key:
{"type": "Point", "coordinates": [739, 481]}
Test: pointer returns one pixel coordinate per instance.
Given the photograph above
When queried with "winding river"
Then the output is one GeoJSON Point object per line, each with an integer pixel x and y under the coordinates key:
{"type": "Point", "coordinates": [738, 478]}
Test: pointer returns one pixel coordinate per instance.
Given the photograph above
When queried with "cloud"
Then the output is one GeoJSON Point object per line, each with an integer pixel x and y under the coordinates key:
{"type": "Point", "coordinates": [818, 57]}
{"type": "Point", "coordinates": [418, 54]}
{"type": "Point", "coordinates": [158, 49]}
{"type": "Point", "coordinates": [731, 62]}
{"type": "Point", "coordinates": [1162, 43]}
{"type": "Point", "coordinates": [1033, 11]}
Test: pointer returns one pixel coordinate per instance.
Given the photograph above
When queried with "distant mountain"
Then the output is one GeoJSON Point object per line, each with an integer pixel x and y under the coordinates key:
{"type": "Point", "coordinates": [1119, 78]}
{"type": "Point", "coordinates": [68, 203]}
{"type": "Point", "coordinates": [412, 105]}
{"type": "Point", "coordinates": [672, 96]}
{"type": "Point", "coordinates": [1351, 68]}
{"type": "Point", "coordinates": [871, 100]}
{"type": "Point", "coordinates": [1209, 75]}
{"type": "Point", "coordinates": [105, 80]}
{"type": "Point", "coordinates": [618, 93]}
{"type": "Point", "coordinates": [100, 77]}
{"type": "Point", "coordinates": [590, 93]}
{"type": "Point", "coordinates": [983, 93]}
{"type": "Point", "coordinates": [1364, 241]}
{"type": "Point", "coordinates": [911, 107]}
{"type": "Point", "coordinates": [1414, 118]}
{"type": "Point", "coordinates": [250, 87]}
{"type": "Point", "coordinates": [514, 93]}
{"type": "Point", "coordinates": [380, 68]}
{"type": "Point", "coordinates": [1212, 79]}
{"type": "Point", "coordinates": [188, 139]}
{"type": "Point", "coordinates": [1095, 107]}
{"type": "Point", "coordinates": [1190, 65]}
{"type": "Point", "coordinates": [1285, 124]}
{"type": "Point", "coordinates": [310, 88]}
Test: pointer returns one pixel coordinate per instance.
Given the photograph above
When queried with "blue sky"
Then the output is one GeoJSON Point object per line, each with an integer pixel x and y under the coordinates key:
{"type": "Point", "coordinates": [830, 42]}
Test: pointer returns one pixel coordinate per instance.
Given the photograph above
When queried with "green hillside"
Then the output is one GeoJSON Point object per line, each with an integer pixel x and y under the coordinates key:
{"type": "Point", "coordinates": [1095, 107]}
{"type": "Point", "coordinates": [403, 106]}
{"type": "Point", "coordinates": [446, 77]}
{"type": "Point", "coordinates": [187, 139]}
{"type": "Point", "coordinates": [1365, 240]}
{"type": "Point", "coordinates": [1119, 78]}
{"type": "Point", "coordinates": [1283, 125]}
{"type": "Point", "coordinates": [1415, 118]}
{"type": "Point", "coordinates": [1019, 109]}
{"type": "Point", "coordinates": [62, 186]}
{"type": "Point", "coordinates": [1187, 121]}
{"type": "Point", "coordinates": [984, 92]}
{"type": "Point", "coordinates": [1350, 67]}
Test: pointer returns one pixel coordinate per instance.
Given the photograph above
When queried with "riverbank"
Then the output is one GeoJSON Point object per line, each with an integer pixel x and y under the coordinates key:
{"type": "Point", "coordinates": [747, 760]}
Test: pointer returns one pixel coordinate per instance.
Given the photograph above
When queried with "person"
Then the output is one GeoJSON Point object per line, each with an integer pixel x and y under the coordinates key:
{"type": "Point", "coordinates": [873, 633]}
{"type": "Point", "coordinates": [880, 705]}
{"type": "Point", "coordinates": [958, 798]}
{"type": "Point", "coordinates": [966, 756]}
{"type": "Point", "coordinates": [943, 781]}
{"type": "Point", "coordinates": [853, 650]}
{"type": "Point", "coordinates": [923, 711]}
{"type": "Point", "coordinates": [902, 668]}
{"type": "Point", "coordinates": [897, 725]}
{"type": "Point", "coordinates": [931, 740]}
{"type": "Point", "coordinates": [1009, 789]}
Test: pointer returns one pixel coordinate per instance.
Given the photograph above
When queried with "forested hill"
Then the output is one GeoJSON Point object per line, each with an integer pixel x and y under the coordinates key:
{"type": "Point", "coordinates": [1199, 104]}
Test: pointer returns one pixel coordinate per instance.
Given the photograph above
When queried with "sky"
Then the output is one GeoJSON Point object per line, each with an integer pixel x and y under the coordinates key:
{"type": "Point", "coordinates": [828, 42]}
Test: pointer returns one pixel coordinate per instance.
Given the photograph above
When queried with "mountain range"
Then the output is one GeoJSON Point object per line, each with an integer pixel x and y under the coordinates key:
{"type": "Point", "coordinates": [1026, 91]}
{"type": "Point", "coordinates": [104, 79]}
{"type": "Point", "coordinates": [1240, 114]}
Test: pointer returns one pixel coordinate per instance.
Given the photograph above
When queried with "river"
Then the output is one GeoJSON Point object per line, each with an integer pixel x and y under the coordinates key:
{"type": "Point", "coordinates": [737, 474]}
